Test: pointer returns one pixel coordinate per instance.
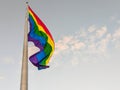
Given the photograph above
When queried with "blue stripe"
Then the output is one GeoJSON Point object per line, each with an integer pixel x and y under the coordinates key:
{"type": "Point", "coordinates": [40, 56]}
{"type": "Point", "coordinates": [33, 35]}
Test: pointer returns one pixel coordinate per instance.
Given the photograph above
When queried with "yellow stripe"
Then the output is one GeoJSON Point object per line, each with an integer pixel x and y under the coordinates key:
{"type": "Point", "coordinates": [50, 42]}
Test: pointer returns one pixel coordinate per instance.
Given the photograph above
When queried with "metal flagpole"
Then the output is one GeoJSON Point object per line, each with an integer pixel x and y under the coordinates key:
{"type": "Point", "coordinates": [24, 70]}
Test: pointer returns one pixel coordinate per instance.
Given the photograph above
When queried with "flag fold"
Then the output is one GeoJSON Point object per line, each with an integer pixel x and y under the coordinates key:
{"type": "Point", "coordinates": [42, 39]}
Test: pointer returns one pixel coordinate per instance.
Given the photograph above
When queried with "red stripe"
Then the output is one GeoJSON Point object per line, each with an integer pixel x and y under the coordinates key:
{"type": "Point", "coordinates": [41, 23]}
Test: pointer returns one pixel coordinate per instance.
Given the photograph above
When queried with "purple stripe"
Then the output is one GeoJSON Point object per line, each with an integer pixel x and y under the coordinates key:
{"type": "Point", "coordinates": [33, 58]}
{"type": "Point", "coordinates": [36, 42]}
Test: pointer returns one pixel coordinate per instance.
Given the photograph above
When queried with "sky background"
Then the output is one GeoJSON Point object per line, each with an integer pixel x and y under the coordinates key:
{"type": "Point", "coordinates": [87, 38]}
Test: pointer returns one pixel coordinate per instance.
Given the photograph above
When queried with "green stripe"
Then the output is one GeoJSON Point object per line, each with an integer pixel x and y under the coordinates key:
{"type": "Point", "coordinates": [37, 31]}
{"type": "Point", "coordinates": [40, 33]}
{"type": "Point", "coordinates": [47, 50]}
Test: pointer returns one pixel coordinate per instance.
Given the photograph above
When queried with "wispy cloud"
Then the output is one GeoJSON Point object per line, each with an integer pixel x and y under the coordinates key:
{"type": "Point", "coordinates": [100, 32]}
{"type": "Point", "coordinates": [115, 19]}
{"type": "Point", "coordinates": [116, 38]}
{"type": "Point", "coordinates": [90, 39]}
{"type": "Point", "coordinates": [91, 42]}
{"type": "Point", "coordinates": [116, 34]}
{"type": "Point", "coordinates": [68, 43]}
{"type": "Point", "coordinates": [92, 28]}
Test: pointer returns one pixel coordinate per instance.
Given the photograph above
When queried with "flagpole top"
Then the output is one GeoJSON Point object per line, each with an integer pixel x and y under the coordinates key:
{"type": "Point", "coordinates": [26, 2]}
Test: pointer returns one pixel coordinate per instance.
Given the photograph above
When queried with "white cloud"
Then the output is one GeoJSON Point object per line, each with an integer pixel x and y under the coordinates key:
{"type": "Point", "coordinates": [75, 42]}
{"type": "Point", "coordinates": [116, 38]}
{"type": "Point", "coordinates": [100, 32]}
{"type": "Point", "coordinates": [68, 43]}
{"type": "Point", "coordinates": [82, 33]}
{"type": "Point", "coordinates": [116, 34]}
{"type": "Point", "coordinates": [62, 45]}
{"type": "Point", "coordinates": [92, 28]}
{"type": "Point", "coordinates": [103, 43]}
{"type": "Point", "coordinates": [77, 46]}
{"type": "Point", "coordinates": [93, 43]}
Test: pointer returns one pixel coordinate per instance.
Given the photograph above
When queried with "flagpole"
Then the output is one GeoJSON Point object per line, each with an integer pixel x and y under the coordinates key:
{"type": "Point", "coordinates": [24, 70]}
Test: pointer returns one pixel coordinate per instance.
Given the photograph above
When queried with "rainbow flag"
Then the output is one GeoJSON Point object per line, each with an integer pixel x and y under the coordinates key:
{"type": "Point", "coordinates": [41, 37]}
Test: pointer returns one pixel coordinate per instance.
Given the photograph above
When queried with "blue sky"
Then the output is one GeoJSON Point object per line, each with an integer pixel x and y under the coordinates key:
{"type": "Point", "coordinates": [87, 38]}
